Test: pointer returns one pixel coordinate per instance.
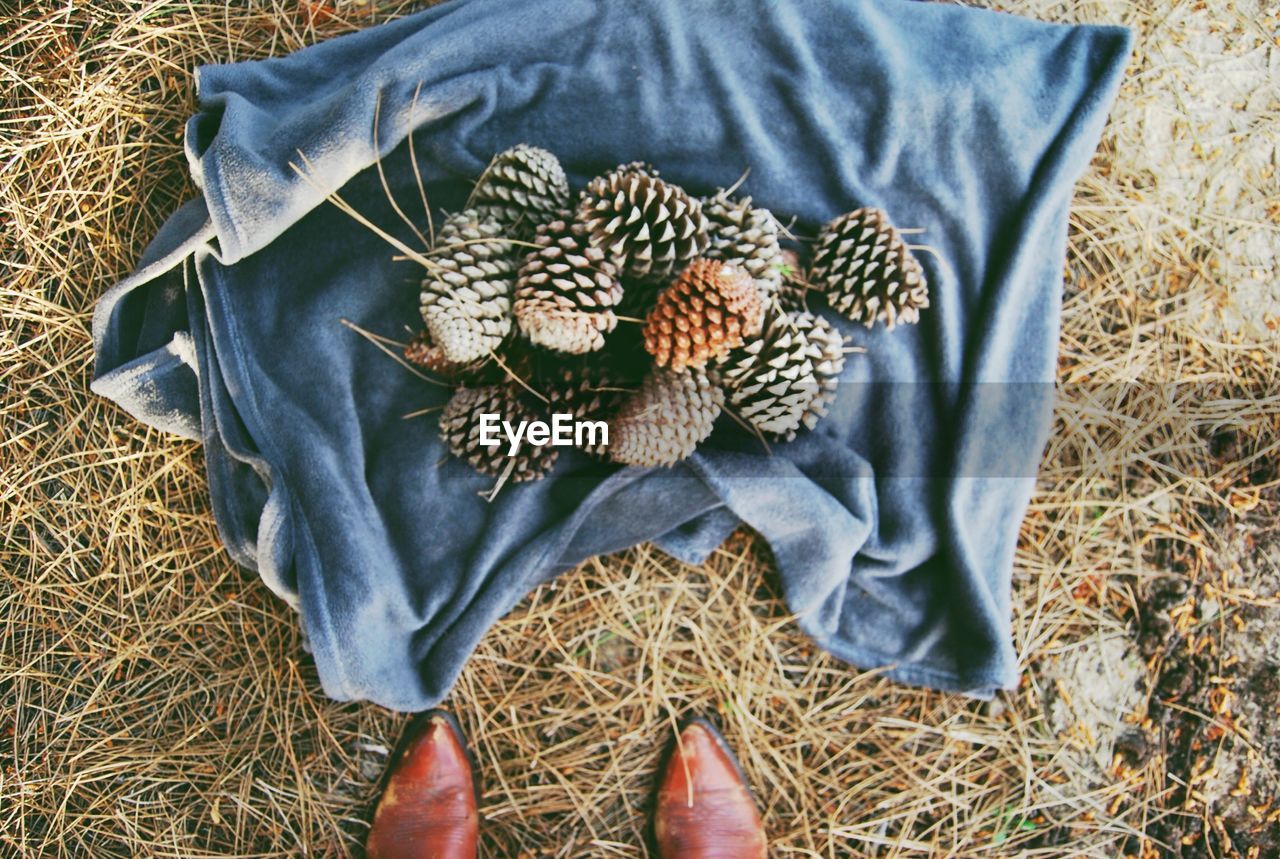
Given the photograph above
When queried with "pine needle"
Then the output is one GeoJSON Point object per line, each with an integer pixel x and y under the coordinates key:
{"type": "Point", "coordinates": [159, 700]}
{"type": "Point", "coordinates": [381, 343]}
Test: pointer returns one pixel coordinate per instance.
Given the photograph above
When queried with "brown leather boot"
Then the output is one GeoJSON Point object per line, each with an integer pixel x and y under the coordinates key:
{"type": "Point", "coordinates": [704, 809]}
{"type": "Point", "coordinates": [428, 808]}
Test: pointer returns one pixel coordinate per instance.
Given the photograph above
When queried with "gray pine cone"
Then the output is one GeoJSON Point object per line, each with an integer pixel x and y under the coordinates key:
{"type": "Point", "coordinates": [650, 227]}
{"type": "Point", "coordinates": [746, 238]}
{"type": "Point", "coordinates": [566, 291]}
{"type": "Point", "coordinates": [770, 380]}
{"type": "Point", "coordinates": [665, 420]}
{"type": "Point", "coordinates": [867, 271]}
{"type": "Point", "coordinates": [826, 347]}
{"type": "Point", "coordinates": [522, 188]}
{"type": "Point", "coordinates": [466, 299]}
{"type": "Point", "coordinates": [460, 430]}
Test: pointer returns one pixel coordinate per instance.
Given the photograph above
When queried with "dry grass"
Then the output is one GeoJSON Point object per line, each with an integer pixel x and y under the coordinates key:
{"type": "Point", "coordinates": [156, 700]}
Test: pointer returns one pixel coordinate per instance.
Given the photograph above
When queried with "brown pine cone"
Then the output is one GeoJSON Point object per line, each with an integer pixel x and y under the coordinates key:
{"type": "Point", "coordinates": [460, 426]}
{"type": "Point", "coordinates": [710, 309]}
{"type": "Point", "coordinates": [586, 389]}
{"type": "Point", "coordinates": [665, 420]}
{"type": "Point", "coordinates": [793, 286]}
{"type": "Point", "coordinates": [421, 352]}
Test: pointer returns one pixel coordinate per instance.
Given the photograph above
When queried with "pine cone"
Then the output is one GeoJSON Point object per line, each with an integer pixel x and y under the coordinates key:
{"type": "Point", "coordinates": [770, 380]}
{"type": "Point", "coordinates": [460, 430]}
{"type": "Point", "coordinates": [793, 288]}
{"type": "Point", "coordinates": [430, 357]}
{"type": "Point", "coordinates": [421, 352]}
{"type": "Point", "coordinates": [588, 391]}
{"type": "Point", "coordinates": [826, 347]}
{"type": "Point", "coordinates": [650, 227]}
{"type": "Point", "coordinates": [746, 238]}
{"type": "Point", "coordinates": [665, 420]}
{"type": "Point", "coordinates": [522, 188]}
{"type": "Point", "coordinates": [466, 299]}
{"type": "Point", "coordinates": [867, 271]}
{"type": "Point", "coordinates": [707, 311]}
{"type": "Point", "coordinates": [566, 291]}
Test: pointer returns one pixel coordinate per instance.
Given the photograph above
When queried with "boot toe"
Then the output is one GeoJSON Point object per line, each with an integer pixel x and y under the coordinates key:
{"type": "Point", "coordinates": [428, 807]}
{"type": "Point", "coordinates": [704, 808]}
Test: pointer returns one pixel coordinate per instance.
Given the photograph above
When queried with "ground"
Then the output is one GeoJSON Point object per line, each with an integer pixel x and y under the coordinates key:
{"type": "Point", "coordinates": [157, 700]}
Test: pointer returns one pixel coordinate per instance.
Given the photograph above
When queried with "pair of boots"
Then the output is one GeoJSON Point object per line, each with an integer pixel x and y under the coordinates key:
{"type": "Point", "coordinates": [428, 807]}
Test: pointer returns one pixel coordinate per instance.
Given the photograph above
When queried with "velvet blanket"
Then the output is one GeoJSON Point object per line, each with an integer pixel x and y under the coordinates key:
{"type": "Point", "coordinates": [893, 524]}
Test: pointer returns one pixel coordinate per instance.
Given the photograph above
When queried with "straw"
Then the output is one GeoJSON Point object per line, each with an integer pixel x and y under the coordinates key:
{"type": "Point", "coordinates": [157, 700]}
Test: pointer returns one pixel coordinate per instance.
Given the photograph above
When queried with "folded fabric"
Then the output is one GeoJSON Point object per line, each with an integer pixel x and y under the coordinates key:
{"type": "Point", "coordinates": [893, 524]}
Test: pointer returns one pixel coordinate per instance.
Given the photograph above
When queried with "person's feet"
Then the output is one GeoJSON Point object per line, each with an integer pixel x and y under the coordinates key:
{"type": "Point", "coordinates": [428, 808]}
{"type": "Point", "coordinates": [704, 809]}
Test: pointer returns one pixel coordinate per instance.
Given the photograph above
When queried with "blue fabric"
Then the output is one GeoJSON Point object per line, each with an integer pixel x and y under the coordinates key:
{"type": "Point", "coordinates": [893, 525]}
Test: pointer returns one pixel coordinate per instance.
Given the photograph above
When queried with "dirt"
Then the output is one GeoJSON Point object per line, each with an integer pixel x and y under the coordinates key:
{"type": "Point", "coordinates": [1090, 691]}
{"type": "Point", "coordinates": [1189, 693]}
{"type": "Point", "coordinates": [1216, 698]}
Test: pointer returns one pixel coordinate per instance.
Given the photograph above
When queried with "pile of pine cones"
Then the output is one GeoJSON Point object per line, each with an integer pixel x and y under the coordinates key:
{"type": "Point", "coordinates": [641, 306]}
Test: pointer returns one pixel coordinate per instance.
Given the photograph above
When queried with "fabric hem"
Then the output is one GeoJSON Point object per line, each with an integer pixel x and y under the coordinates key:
{"type": "Point", "coordinates": [317, 622]}
{"type": "Point", "coordinates": [120, 385]}
{"type": "Point", "coordinates": [981, 685]}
